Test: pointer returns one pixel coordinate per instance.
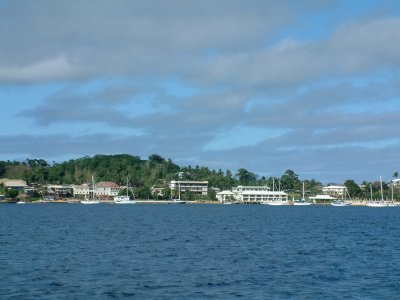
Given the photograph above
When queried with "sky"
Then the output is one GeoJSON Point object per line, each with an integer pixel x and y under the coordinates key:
{"type": "Point", "coordinates": [270, 85]}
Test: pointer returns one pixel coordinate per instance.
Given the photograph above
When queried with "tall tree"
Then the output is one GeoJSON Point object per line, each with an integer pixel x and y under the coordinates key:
{"type": "Point", "coordinates": [353, 189]}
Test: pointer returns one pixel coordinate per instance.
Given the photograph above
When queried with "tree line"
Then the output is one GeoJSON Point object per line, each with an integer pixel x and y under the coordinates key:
{"type": "Point", "coordinates": [158, 171]}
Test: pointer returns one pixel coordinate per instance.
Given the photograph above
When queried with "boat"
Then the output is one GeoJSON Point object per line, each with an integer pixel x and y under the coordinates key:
{"type": "Point", "coordinates": [92, 200]}
{"type": "Point", "coordinates": [179, 200]}
{"type": "Point", "coordinates": [227, 203]}
{"type": "Point", "coordinates": [124, 199]}
{"type": "Point", "coordinates": [275, 202]}
{"type": "Point", "coordinates": [301, 201]}
{"type": "Point", "coordinates": [340, 203]}
{"type": "Point", "coordinates": [380, 203]}
{"type": "Point", "coordinates": [21, 202]}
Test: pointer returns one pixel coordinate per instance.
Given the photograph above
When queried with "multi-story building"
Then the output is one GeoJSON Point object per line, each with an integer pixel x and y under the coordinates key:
{"type": "Point", "coordinates": [251, 194]}
{"type": "Point", "coordinates": [196, 187]}
{"type": "Point", "coordinates": [106, 189]}
{"type": "Point", "coordinates": [334, 190]}
{"type": "Point", "coordinates": [59, 191]}
{"type": "Point", "coordinates": [103, 190]}
{"type": "Point", "coordinates": [83, 190]}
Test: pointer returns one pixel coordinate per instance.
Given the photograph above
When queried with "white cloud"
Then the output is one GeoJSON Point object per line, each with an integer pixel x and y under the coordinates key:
{"type": "Point", "coordinates": [50, 69]}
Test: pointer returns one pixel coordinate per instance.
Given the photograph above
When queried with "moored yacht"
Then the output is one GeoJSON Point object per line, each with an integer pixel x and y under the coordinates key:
{"type": "Point", "coordinates": [124, 199]}
{"type": "Point", "coordinates": [301, 201]}
{"type": "Point", "coordinates": [92, 200]}
{"type": "Point", "coordinates": [381, 203]}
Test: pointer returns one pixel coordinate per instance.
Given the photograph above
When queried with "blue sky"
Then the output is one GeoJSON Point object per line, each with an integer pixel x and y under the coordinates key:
{"type": "Point", "coordinates": [308, 85]}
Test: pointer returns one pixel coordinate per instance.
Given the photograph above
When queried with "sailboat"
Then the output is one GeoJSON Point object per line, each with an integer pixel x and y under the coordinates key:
{"type": "Point", "coordinates": [381, 203]}
{"type": "Point", "coordinates": [342, 202]}
{"type": "Point", "coordinates": [275, 201]}
{"type": "Point", "coordinates": [301, 201]}
{"type": "Point", "coordinates": [124, 199]}
{"type": "Point", "coordinates": [179, 200]}
{"type": "Point", "coordinates": [93, 200]}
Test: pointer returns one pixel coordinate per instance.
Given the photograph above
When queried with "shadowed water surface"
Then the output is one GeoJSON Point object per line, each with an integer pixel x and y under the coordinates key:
{"type": "Point", "coordinates": [72, 251]}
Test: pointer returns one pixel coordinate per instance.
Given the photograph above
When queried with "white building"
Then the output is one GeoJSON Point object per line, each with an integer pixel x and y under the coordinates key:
{"type": "Point", "coordinates": [334, 190]}
{"type": "Point", "coordinates": [251, 194]}
{"type": "Point", "coordinates": [103, 190]}
{"type": "Point", "coordinates": [82, 190]}
{"type": "Point", "coordinates": [227, 196]}
{"type": "Point", "coordinates": [106, 188]}
{"type": "Point", "coordinates": [197, 187]}
{"type": "Point", "coordinates": [396, 182]}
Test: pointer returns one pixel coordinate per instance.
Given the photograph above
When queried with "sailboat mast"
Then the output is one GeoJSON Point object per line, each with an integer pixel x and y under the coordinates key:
{"type": "Point", "coordinates": [380, 179]}
{"type": "Point", "coordinates": [179, 190]}
{"type": "Point", "coordinates": [392, 191]}
{"type": "Point", "coordinates": [93, 187]}
{"type": "Point", "coordinates": [303, 190]}
{"type": "Point", "coordinates": [370, 187]}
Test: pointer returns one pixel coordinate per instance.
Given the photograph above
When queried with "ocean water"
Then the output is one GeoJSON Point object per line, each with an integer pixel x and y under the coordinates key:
{"type": "Point", "coordinates": [72, 251]}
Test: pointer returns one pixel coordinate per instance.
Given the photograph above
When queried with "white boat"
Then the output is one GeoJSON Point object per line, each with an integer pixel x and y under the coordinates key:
{"type": "Point", "coordinates": [92, 200]}
{"type": "Point", "coordinates": [276, 202]}
{"type": "Point", "coordinates": [21, 202]}
{"type": "Point", "coordinates": [226, 203]}
{"type": "Point", "coordinates": [178, 201]}
{"type": "Point", "coordinates": [124, 199]}
{"type": "Point", "coordinates": [341, 203]}
{"type": "Point", "coordinates": [301, 201]}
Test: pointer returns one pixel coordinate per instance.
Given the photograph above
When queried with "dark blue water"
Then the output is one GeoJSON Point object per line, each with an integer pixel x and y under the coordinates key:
{"type": "Point", "coordinates": [71, 251]}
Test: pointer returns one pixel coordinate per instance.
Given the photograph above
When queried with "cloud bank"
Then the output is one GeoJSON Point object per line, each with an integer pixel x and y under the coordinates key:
{"type": "Point", "coordinates": [227, 84]}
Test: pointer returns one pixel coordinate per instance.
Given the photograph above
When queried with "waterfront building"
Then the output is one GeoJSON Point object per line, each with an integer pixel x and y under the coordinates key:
{"type": "Point", "coordinates": [15, 184]}
{"type": "Point", "coordinates": [104, 190]}
{"type": "Point", "coordinates": [82, 191]}
{"type": "Point", "coordinates": [196, 187]}
{"type": "Point", "coordinates": [251, 194]}
{"type": "Point", "coordinates": [338, 191]}
{"type": "Point", "coordinates": [59, 191]}
{"type": "Point", "coordinates": [226, 196]}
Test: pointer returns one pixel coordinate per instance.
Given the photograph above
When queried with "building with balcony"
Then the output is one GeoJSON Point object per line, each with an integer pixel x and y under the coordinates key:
{"type": "Point", "coordinates": [104, 190]}
{"type": "Point", "coordinates": [338, 191]}
{"type": "Point", "coordinates": [251, 194]}
{"type": "Point", "coordinates": [196, 187]}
